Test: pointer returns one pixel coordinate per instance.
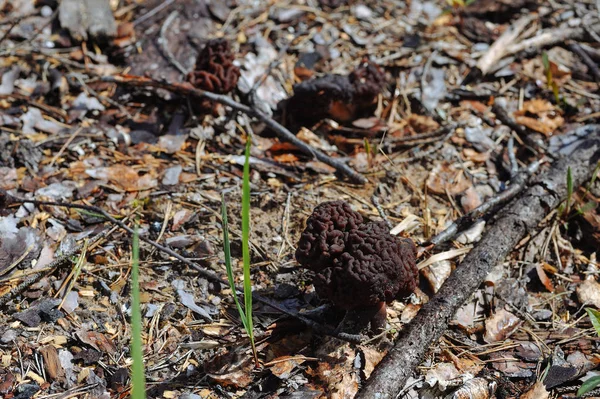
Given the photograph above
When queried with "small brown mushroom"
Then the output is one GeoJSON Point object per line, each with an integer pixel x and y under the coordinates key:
{"type": "Point", "coordinates": [359, 266]}
{"type": "Point", "coordinates": [339, 97]}
{"type": "Point", "coordinates": [214, 70]}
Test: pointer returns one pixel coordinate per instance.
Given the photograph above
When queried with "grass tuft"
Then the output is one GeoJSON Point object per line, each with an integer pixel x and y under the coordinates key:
{"type": "Point", "coordinates": [246, 312]}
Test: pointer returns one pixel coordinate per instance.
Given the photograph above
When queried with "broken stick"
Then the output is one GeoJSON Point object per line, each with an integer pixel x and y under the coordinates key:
{"type": "Point", "coordinates": [284, 134]}
{"type": "Point", "coordinates": [515, 221]}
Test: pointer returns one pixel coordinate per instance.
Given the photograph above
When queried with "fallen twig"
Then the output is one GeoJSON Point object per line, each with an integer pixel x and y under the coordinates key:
{"type": "Point", "coordinates": [520, 217]}
{"type": "Point", "coordinates": [163, 43]}
{"type": "Point", "coordinates": [278, 129]}
{"type": "Point", "coordinates": [499, 48]}
{"type": "Point", "coordinates": [429, 151]}
{"type": "Point", "coordinates": [533, 139]}
{"type": "Point", "coordinates": [517, 184]}
{"type": "Point", "coordinates": [586, 59]}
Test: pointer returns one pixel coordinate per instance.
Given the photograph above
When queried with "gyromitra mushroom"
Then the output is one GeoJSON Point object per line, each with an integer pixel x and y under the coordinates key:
{"type": "Point", "coordinates": [339, 97]}
{"type": "Point", "coordinates": [214, 70]}
{"type": "Point", "coordinates": [359, 266]}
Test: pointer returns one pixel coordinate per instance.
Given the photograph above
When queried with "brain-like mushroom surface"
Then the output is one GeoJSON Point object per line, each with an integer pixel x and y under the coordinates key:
{"type": "Point", "coordinates": [357, 264]}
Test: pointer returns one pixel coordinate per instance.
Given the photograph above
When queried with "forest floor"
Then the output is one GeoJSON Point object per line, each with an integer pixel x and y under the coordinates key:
{"type": "Point", "coordinates": [437, 108]}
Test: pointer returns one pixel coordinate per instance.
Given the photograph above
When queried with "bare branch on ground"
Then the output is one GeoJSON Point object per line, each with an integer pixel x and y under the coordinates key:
{"type": "Point", "coordinates": [518, 218]}
{"type": "Point", "coordinates": [281, 132]}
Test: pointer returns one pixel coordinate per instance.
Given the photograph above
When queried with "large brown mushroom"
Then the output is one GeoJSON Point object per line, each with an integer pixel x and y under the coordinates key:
{"type": "Point", "coordinates": [359, 266]}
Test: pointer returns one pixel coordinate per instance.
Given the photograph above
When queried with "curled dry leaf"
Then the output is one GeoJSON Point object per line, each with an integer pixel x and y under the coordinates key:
{"type": "Point", "coordinates": [544, 277]}
{"type": "Point", "coordinates": [124, 177]}
{"type": "Point", "coordinates": [437, 273]}
{"type": "Point", "coordinates": [476, 388]}
{"type": "Point", "coordinates": [538, 391]}
{"type": "Point", "coordinates": [230, 369]}
{"type": "Point", "coordinates": [588, 292]}
{"type": "Point", "coordinates": [97, 341]}
{"type": "Point", "coordinates": [470, 200]}
{"type": "Point", "coordinates": [337, 372]}
{"type": "Point", "coordinates": [500, 326]}
{"type": "Point", "coordinates": [372, 357]}
{"type": "Point", "coordinates": [283, 366]}
{"type": "Point", "coordinates": [447, 179]}
{"type": "Point", "coordinates": [540, 115]}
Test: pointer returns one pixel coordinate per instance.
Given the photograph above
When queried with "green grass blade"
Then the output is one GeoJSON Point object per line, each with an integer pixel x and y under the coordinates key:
{"type": "Point", "coordinates": [228, 267]}
{"type": "Point", "coordinates": [246, 242]}
{"type": "Point", "coordinates": [594, 318]}
{"type": "Point", "coordinates": [589, 385]}
{"type": "Point", "coordinates": [138, 379]}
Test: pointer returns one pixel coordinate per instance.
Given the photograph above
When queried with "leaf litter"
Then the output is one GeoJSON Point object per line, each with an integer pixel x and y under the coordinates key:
{"type": "Point", "coordinates": [67, 135]}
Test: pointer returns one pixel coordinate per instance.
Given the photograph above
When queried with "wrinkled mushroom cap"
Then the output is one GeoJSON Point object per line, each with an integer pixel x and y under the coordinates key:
{"type": "Point", "coordinates": [356, 263]}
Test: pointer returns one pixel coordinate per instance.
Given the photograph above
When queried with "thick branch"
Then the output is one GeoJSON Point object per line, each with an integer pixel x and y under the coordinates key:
{"type": "Point", "coordinates": [517, 219]}
{"type": "Point", "coordinates": [281, 132]}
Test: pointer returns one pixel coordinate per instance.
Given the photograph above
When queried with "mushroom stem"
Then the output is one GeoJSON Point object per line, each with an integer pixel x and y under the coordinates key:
{"type": "Point", "coordinates": [379, 318]}
{"type": "Point", "coordinates": [357, 320]}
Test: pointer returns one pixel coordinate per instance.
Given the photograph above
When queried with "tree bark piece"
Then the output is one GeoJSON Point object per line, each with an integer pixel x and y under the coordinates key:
{"type": "Point", "coordinates": [517, 219]}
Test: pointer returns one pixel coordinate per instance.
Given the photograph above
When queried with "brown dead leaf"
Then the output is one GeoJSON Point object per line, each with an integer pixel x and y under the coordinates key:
{"type": "Point", "coordinates": [124, 177]}
{"type": "Point", "coordinates": [97, 341]}
{"type": "Point", "coordinates": [180, 218]}
{"type": "Point", "coordinates": [538, 391]}
{"type": "Point", "coordinates": [544, 277]}
{"type": "Point", "coordinates": [285, 158]}
{"type": "Point", "coordinates": [52, 362]}
{"type": "Point", "coordinates": [540, 115]}
{"type": "Point", "coordinates": [337, 371]}
{"type": "Point", "coordinates": [283, 366]}
{"type": "Point", "coordinates": [470, 199]}
{"type": "Point", "coordinates": [372, 358]}
{"type": "Point", "coordinates": [500, 326]}
{"type": "Point", "coordinates": [422, 123]}
{"type": "Point", "coordinates": [475, 388]}
{"type": "Point", "coordinates": [447, 179]}
{"type": "Point", "coordinates": [6, 382]}
{"type": "Point", "coordinates": [230, 369]}
{"type": "Point", "coordinates": [588, 292]}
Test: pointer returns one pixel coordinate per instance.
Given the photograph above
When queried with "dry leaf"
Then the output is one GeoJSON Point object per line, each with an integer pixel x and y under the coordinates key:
{"type": "Point", "coordinates": [476, 388]}
{"type": "Point", "coordinates": [230, 369]}
{"type": "Point", "coordinates": [422, 124]}
{"type": "Point", "coordinates": [540, 115]}
{"type": "Point", "coordinates": [283, 366]}
{"type": "Point", "coordinates": [372, 358]}
{"type": "Point", "coordinates": [544, 277]}
{"type": "Point", "coordinates": [447, 179]}
{"type": "Point", "coordinates": [285, 158]}
{"type": "Point", "coordinates": [588, 292]}
{"type": "Point", "coordinates": [52, 362]}
{"type": "Point", "coordinates": [500, 326]}
{"type": "Point", "coordinates": [97, 341]}
{"type": "Point", "coordinates": [537, 392]}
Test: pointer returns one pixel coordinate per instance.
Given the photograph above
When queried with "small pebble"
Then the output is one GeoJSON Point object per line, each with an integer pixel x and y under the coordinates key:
{"type": "Point", "coordinates": [46, 11]}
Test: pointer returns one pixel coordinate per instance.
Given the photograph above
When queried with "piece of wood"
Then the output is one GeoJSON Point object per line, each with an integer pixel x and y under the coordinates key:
{"type": "Point", "coordinates": [517, 219]}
